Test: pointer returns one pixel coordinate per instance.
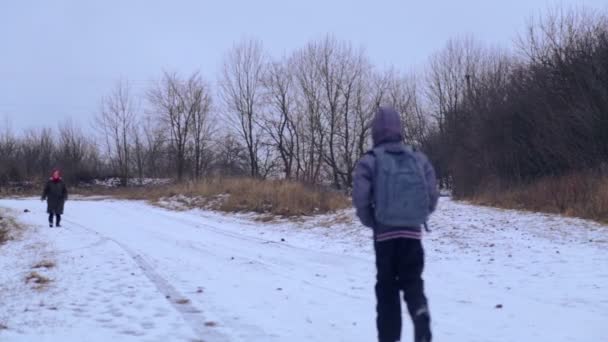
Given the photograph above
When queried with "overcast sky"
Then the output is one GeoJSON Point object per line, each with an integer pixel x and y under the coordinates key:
{"type": "Point", "coordinates": [58, 57]}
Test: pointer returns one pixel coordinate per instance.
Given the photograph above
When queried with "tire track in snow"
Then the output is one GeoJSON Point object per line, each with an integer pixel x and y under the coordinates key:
{"type": "Point", "coordinates": [193, 316]}
{"type": "Point", "coordinates": [282, 271]}
{"type": "Point", "coordinates": [274, 266]}
{"type": "Point", "coordinates": [318, 254]}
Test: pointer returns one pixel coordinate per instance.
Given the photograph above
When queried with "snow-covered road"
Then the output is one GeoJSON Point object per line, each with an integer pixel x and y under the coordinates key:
{"type": "Point", "coordinates": [128, 271]}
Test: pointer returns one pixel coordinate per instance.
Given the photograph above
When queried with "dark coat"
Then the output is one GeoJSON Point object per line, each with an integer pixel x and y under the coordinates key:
{"type": "Point", "coordinates": [55, 193]}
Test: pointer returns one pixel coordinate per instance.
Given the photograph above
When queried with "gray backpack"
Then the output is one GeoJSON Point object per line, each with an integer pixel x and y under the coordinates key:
{"type": "Point", "coordinates": [401, 197]}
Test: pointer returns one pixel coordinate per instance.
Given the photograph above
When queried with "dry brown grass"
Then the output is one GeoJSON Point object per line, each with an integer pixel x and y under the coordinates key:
{"type": "Point", "coordinates": [8, 227]}
{"type": "Point", "coordinates": [29, 189]}
{"type": "Point", "coordinates": [36, 278]}
{"type": "Point", "coordinates": [276, 197]}
{"type": "Point", "coordinates": [582, 195]}
{"type": "Point", "coordinates": [273, 197]}
{"type": "Point", "coordinates": [44, 264]}
{"type": "Point", "coordinates": [4, 236]}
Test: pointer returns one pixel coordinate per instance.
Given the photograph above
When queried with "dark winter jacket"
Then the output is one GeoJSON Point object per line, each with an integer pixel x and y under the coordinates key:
{"type": "Point", "coordinates": [386, 132]}
{"type": "Point", "coordinates": [55, 193]}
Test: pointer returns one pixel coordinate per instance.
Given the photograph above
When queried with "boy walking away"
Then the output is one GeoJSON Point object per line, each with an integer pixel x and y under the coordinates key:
{"type": "Point", "coordinates": [55, 193]}
{"type": "Point", "coordinates": [394, 192]}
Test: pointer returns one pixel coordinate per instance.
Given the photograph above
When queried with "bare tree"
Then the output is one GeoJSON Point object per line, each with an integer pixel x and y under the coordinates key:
{"type": "Point", "coordinates": [451, 73]}
{"type": "Point", "coordinates": [139, 153]}
{"type": "Point", "coordinates": [354, 89]}
{"type": "Point", "coordinates": [33, 154]}
{"type": "Point", "coordinates": [402, 93]}
{"type": "Point", "coordinates": [369, 97]}
{"type": "Point", "coordinates": [241, 85]}
{"type": "Point", "coordinates": [197, 99]}
{"type": "Point", "coordinates": [309, 118]}
{"type": "Point", "coordinates": [154, 148]}
{"type": "Point", "coordinates": [37, 148]}
{"type": "Point", "coordinates": [76, 154]}
{"type": "Point", "coordinates": [116, 121]}
{"type": "Point", "coordinates": [170, 103]}
{"type": "Point", "coordinates": [451, 69]}
{"type": "Point", "coordinates": [279, 122]}
{"type": "Point", "coordinates": [9, 150]}
{"type": "Point", "coordinates": [230, 157]}
{"type": "Point", "coordinates": [332, 76]}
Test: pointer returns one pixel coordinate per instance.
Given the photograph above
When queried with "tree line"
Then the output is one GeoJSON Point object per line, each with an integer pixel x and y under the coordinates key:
{"type": "Point", "coordinates": [304, 117]}
{"type": "Point", "coordinates": [483, 114]}
{"type": "Point", "coordinates": [512, 117]}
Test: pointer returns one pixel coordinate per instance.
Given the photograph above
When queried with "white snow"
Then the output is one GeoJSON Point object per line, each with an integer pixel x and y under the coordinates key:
{"type": "Point", "coordinates": [128, 271]}
{"type": "Point", "coordinates": [114, 182]}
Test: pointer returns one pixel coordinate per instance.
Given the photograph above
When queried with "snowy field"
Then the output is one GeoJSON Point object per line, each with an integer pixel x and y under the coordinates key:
{"type": "Point", "coordinates": [128, 271]}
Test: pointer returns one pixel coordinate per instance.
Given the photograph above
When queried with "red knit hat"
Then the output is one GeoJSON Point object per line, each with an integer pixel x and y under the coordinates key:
{"type": "Point", "coordinates": [56, 175]}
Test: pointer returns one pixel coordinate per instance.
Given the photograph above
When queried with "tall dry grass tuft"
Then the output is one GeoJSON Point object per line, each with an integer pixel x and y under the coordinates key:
{"type": "Point", "coordinates": [8, 227]}
{"type": "Point", "coordinates": [4, 237]}
{"type": "Point", "coordinates": [276, 197]}
{"type": "Point", "coordinates": [583, 194]}
{"type": "Point", "coordinates": [38, 280]}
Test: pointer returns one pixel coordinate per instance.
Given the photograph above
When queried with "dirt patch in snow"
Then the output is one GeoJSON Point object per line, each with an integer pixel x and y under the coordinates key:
{"type": "Point", "coordinates": [39, 281]}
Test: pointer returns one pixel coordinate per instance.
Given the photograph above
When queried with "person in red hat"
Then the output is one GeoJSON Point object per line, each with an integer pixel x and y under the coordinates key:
{"type": "Point", "coordinates": [55, 193]}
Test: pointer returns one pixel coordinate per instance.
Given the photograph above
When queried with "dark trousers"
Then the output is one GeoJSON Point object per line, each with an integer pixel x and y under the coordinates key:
{"type": "Point", "coordinates": [57, 219]}
{"type": "Point", "coordinates": [399, 263]}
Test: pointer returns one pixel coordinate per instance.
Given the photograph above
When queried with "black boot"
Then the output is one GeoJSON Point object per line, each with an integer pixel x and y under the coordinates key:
{"type": "Point", "coordinates": [51, 220]}
{"type": "Point", "coordinates": [58, 220]}
{"type": "Point", "coordinates": [422, 326]}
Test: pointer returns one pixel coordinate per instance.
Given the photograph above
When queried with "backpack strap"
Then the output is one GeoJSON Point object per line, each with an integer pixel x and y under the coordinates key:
{"type": "Point", "coordinates": [377, 150]}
